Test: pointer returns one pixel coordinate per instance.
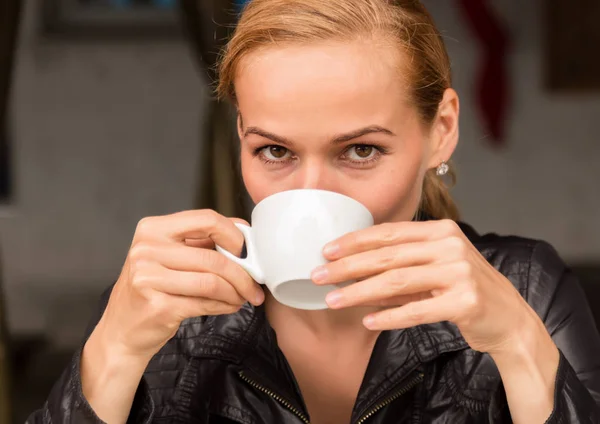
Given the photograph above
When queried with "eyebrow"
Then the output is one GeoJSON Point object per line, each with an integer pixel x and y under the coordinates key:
{"type": "Point", "coordinates": [342, 138]}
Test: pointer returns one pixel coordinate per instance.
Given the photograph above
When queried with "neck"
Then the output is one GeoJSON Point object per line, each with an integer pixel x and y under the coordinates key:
{"type": "Point", "coordinates": [327, 325]}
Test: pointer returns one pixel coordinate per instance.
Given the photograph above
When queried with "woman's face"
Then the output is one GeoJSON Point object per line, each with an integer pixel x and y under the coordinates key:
{"type": "Point", "coordinates": [338, 117]}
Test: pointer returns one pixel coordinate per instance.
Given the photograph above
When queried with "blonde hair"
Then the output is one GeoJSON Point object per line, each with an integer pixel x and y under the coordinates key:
{"type": "Point", "coordinates": [266, 23]}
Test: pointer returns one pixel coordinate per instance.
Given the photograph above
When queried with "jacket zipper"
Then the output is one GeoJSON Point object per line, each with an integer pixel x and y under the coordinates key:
{"type": "Point", "coordinates": [275, 396]}
{"type": "Point", "coordinates": [411, 384]}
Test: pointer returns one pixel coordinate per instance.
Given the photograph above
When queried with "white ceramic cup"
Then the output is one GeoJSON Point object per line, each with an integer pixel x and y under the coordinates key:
{"type": "Point", "coordinates": [286, 240]}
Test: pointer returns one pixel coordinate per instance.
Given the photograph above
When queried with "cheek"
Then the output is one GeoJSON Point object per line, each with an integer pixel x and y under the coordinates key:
{"type": "Point", "coordinates": [396, 197]}
{"type": "Point", "coordinates": [259, 184]}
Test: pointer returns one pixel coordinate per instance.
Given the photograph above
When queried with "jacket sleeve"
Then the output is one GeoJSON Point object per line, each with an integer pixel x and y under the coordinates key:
{"type": "Point", "coordinates": [66, 402]}
{"type": "Point", "coordinates": [569, 320]}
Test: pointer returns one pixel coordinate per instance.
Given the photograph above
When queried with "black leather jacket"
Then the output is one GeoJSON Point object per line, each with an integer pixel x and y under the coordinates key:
{"type": "Point", "coordinates": [228, 369]}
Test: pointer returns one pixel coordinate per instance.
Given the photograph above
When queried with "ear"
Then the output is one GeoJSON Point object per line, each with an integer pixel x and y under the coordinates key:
{"type": "Point", "coordinates": [444, 131]}
{"type": "Point", "coordinates": [240, 125]}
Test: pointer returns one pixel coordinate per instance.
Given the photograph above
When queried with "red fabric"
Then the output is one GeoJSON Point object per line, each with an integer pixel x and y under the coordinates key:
{"type": "Point", "coordinates": [492, 81]}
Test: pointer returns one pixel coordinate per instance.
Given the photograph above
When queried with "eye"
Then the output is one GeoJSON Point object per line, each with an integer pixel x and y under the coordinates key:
{"type": "Point", "coordinates": [275, 153]}
{"type": "Point", "coordinates": [361, 152]}
{"type": "Point", "coordinates": [363, 155]}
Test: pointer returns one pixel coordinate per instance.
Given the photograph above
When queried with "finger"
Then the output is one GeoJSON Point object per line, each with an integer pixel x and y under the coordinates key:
{"type": "Point", "coordinates": [400, 300]}
{"type": "Point", "coordinates": [396, 283]}
{"type": "Point", "coordinates": [194, 224]}
{"type": "Point", "coordinates": [428, 311]}
{"type": "Point", "coordinates": [192, 284]}
{"type": "Point", "coordinates": [367, 264]}
{"type": "Point", "coordinates": [239, 221]}
{"type": "Point", "coordinates": [390, 234]}
{"type": "Point", "coordinates": [206, 243]}
{"type": "Point", "coordinates": [183, 258]}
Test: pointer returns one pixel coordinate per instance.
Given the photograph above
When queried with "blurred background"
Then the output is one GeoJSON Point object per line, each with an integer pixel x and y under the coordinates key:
{"type": "Point", "coordinates": [106, 116]}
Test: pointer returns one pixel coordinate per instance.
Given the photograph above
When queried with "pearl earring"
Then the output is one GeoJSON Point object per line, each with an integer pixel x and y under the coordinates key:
{"type": "Point", "coordinates": [442, 169]}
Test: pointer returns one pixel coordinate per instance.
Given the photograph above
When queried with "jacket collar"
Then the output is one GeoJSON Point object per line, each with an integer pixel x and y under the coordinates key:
{"type": "Point", "coordinates": [248, 340]}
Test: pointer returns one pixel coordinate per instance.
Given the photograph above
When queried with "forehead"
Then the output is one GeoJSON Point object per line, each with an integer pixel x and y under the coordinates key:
{"type": "Point", "coordinates": [324, 83]}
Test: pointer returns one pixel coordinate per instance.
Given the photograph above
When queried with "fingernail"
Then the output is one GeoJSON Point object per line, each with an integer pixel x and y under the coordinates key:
{"type": "Point", "coordinates": [334, 299]}
{"type": "Point", "coordinates": [331, 250]}
{"type": "Point", "coordinates": [369, 321]}
{"type": "Point", "coordinates": [319, 274]}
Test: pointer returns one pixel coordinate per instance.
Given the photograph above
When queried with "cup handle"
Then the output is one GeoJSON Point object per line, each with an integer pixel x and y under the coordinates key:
{"type": "Point", "coordinates": [250, 262]}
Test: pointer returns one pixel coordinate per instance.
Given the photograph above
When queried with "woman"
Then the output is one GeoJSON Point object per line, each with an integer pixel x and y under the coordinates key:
{"type": "Point", "coordinates": [445, 325]}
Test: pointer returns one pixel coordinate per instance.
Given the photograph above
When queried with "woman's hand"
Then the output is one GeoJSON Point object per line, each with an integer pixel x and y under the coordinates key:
{"type": "Point", "coordinates": [171, 273]}
{"type": "Point", "coordinates": [426, 272]}
{"type": "Point", "coordinates": [421, 273]}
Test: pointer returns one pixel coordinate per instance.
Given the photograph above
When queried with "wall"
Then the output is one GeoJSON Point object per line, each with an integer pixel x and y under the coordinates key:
{"type": "Point", "coordinates": [544, 184]}
{"type": "Point", "coordinates": [108, 133]}
{"type": "Point", "coordinates": [104, 134]}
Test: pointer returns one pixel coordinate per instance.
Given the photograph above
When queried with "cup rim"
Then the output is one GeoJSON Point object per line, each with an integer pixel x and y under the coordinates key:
{"type": "Point", "coordinates": [269, 199]}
